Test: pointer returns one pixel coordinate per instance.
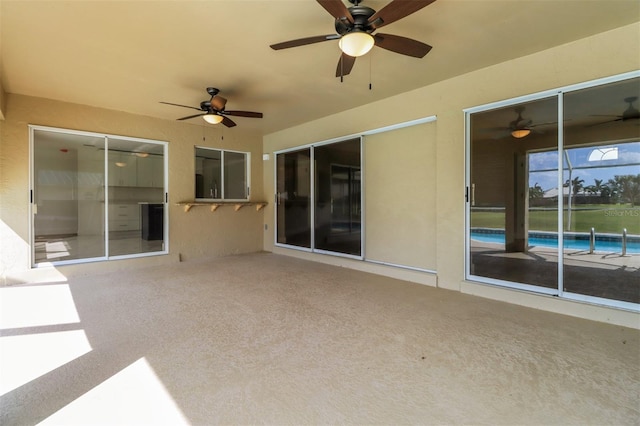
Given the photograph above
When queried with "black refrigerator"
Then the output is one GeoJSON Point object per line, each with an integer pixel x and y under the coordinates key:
{"type": "Point", "coordinates": [152, 221]}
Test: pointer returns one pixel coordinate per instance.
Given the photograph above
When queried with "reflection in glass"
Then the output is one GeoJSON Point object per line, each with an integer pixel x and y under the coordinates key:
{"type": "Point", "coordinates": [514, 193]}
{"type": "Point", "coordinates": [293, 198]}
{"type": "Point", "coordinates": [235, 175]}
{"type": "Point", "coordinates": [602, 192]}
{"type": "Point", "coordinates": [518, 193]}
{"type": "Point", "coordinates": [208, 173]}
{"type": "Point", "coordinates": [338, 197]}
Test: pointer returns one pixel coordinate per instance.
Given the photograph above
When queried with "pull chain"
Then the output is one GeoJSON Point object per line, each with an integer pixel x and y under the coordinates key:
{"type": "Point", "coordinates": [370, 66]}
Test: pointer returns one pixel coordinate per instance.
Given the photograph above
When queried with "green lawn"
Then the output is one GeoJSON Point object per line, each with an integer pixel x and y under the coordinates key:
{"type": "Point", "coordinates": [605, 218]}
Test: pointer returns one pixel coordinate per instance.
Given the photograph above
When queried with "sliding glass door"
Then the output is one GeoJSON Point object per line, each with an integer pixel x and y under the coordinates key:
{"type": "Point", "coordinates": [556, 209]}
{"type": "Point", "coordinates": [293, 198]}
{"type": "Point", "coordinates": [319, 198]}
{"type": "Point", "coordinates": [601, 180]}
{"type": "Point", "coordinates": [96, 197]}
{"type": "Point", "coordinates": [505, 209]}
{"type": "Point", "coordinates": [68, 196]}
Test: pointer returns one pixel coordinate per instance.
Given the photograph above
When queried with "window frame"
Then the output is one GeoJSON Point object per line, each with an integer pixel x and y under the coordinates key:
{"type": "Point", "coordinates": [33, 263]}
{"type": "Point", "coordinates": [223, 189]}
{"type": "Point", "coordinates": [559, 94]}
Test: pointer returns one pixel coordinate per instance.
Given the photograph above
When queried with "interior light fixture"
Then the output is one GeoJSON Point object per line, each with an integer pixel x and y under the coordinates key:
{"type": "Point", "coordinates": [142, 154]}
{"type": "Point", "coordinates": [212, 118]}
{"type": "Point", "coordinates": [356, 43]}
{"type": "Point", "coordinates": [520, 133]}
{"type": "Point", "coordinates": [120, 164]}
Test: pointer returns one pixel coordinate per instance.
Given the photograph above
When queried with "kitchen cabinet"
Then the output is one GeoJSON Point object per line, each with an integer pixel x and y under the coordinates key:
{"type": "Point", "coordinates": [122, 169]}
{"type": "Point", "coordinates": [124, 217]}
{"type": "Point", "coordinates": [150, 171]}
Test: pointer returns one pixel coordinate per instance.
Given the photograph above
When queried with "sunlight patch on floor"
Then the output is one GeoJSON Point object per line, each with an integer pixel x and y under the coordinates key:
{"type": "Point", "coordinates": [134, 396]}
{"type": "Point", "coordinates": [32, 306]}
{"type": "Point", "coordinates": [26, 357]}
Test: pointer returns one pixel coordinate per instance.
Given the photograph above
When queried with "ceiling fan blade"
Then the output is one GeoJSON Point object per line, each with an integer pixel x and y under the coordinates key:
{"type": "Point", "coordinates": [337, 9]}
{"type": "Point", "coordinates": [218, 102]}
{"type": "Point", "coordinates": [402, 45]}
{"type": "Point", "coordinates": [395, 10]}
{"type": "Point", "coordinates": [244, 114]}
{"type": "Point", "coordinates": [304, 41]}
{"type": "Point", "coordinates": [345, 65]}
{"type": "Point", "coordinates": [603, 122]}
{"type": "Point", "coordinates": [183, 106]}
{"type": "Point", "coordinates": [228, 122]}
{"type": "Point", "coordinates": [191, 116]}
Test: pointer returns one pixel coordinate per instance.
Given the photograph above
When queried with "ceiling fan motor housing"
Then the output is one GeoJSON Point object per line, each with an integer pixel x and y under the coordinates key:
{"type": "Point", "coordinates": [361, 15]}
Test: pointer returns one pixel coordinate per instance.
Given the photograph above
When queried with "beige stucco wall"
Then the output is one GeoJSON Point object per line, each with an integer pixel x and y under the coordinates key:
{"type": "Point", "coordinates": [198, 233]}
{"type": "Point", "coordinates": [603, 55]}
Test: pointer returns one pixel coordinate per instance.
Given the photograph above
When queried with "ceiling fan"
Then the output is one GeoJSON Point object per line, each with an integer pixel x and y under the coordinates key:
{"type": "Point", "coordinates": [521, 127]}
{"type": "Point", "coordinates": [213, 111]}
{"type": "Point", "coordinates": [631, 113]}
{"type": "Point", "coordinates": [355, 26]}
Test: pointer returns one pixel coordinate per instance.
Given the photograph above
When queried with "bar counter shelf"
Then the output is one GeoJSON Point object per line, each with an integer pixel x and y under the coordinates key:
{"type": "Point", "coordinates": [213, 205]}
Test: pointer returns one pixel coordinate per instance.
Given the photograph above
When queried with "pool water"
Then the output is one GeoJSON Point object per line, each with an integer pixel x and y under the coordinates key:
{"type": "Point", "coordinates": [604, 243]}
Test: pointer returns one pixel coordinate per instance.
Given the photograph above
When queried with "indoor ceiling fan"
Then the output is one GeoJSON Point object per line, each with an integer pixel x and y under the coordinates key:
{"type": "Point", "coordinates": [213, 111]}
{"type": "Point", "coordinates": [521, 127]}
{"type": "Point", "coordinates": [355, 26]}
{"type": "Point", "coordinates": [631, 113]}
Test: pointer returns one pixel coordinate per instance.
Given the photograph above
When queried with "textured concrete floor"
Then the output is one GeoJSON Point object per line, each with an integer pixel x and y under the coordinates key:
{"type": "Point", "coordinates": [268, 339]}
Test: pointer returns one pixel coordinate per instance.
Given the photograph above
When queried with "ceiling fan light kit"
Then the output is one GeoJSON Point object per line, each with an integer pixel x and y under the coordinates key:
{"type": "Point", "coordinates": [356, 43]}
{"type": "Point", "coordinates": [212, 118]}
{"type": "Point", "coordinates": [520, 133]}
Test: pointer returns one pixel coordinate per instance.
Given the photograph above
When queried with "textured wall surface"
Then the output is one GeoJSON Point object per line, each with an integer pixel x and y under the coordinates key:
{"type": "Point", "coordinates": [198, 233]}
{"type": "Point", "coordinates": [607, 54]}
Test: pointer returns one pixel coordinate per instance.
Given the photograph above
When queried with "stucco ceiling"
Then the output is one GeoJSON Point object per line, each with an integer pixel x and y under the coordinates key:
{"type": "Point", "coordinates": [130, 55]}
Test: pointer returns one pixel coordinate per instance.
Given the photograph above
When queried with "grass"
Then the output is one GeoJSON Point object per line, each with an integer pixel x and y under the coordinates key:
{"type": "Point", "coordinates": [605, 218]}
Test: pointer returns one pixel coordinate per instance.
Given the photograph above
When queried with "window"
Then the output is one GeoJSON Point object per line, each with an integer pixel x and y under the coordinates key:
{"type": "Point", "coordinates": [555, 208]}
{"type": "Point", "coordinates": [221, 174]}
{"type": "Point", "coordinates": [96, 197]}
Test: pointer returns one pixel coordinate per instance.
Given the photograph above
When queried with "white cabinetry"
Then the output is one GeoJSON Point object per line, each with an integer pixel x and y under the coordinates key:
{"type": "Point", "coordinates": [122, 169]}
{"type": "Point", "coordinates": [124, 217]}
{"type": "Point", "coordinates": [150, 171]}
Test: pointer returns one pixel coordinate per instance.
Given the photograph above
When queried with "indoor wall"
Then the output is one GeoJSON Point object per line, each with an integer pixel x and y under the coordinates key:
{"type": "Point", "coordinates": [194, 234]}
{"type": "Point", "coordinates": [610, 53]}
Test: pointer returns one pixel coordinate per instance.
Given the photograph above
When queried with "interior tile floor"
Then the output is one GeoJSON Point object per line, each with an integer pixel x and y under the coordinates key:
{"type": "Point", "coordinates": [270, 339]}
{"type": "Point", "coordinates": [69, 247]}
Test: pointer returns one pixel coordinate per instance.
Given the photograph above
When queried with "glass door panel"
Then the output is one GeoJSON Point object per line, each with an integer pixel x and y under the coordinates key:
{"type": "Point", "coordinates": [136, 204]}
{"type": "Point", "coordinates": [513, 210]}
{"type": "Point", "coordinates": [601, 228]}
{"type": "Point", "coordinates": [338, 197]}
{"type": "Point", "coordinates": [293, 198]}
{"type": "Point", "coordinates": [68, 191]}
{"type": "Point", "coordinates": [235, 176]}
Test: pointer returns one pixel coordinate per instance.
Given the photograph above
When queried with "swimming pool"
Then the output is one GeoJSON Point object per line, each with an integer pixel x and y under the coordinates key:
{"type": "Point", "coordinates": [605, 243]}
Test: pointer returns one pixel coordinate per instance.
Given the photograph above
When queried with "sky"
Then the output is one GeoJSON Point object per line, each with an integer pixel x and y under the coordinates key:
{"type": "Point", "coordinates": [588, 163]}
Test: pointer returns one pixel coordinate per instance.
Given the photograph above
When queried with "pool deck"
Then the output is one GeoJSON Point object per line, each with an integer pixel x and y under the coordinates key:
{"type": "Point", "coordinates": [600, 274]}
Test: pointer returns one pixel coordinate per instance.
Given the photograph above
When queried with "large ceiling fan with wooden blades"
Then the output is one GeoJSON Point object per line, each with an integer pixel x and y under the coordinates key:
{"type": "Point", "coordinates": [213, 111]}
{"type": "Point", "coordinates": [355, 26]}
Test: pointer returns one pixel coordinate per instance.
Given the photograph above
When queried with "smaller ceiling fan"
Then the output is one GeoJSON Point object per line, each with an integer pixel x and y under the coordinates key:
{"type": "Point", "coordinates": [213, 111]}
{"type": "Point", "coordinates": [631, 113]}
